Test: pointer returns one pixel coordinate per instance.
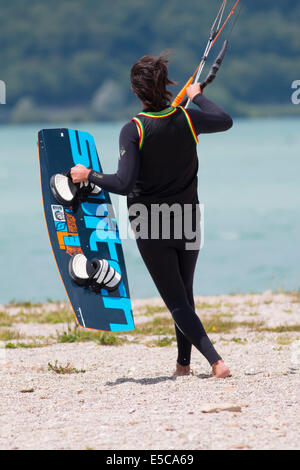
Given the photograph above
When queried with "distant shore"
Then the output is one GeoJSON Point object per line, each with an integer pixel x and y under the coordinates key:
{"type": "Point", "coordinates": [68, 388]}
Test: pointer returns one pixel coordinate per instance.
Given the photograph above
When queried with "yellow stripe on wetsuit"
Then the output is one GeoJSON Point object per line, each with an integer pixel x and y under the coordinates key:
{"type": "Point", "coordinates": [141, 131]}
{"type": "Point", "coordinates": [190, 124]}
{"type": "Point", "coordinates": [160, 114]}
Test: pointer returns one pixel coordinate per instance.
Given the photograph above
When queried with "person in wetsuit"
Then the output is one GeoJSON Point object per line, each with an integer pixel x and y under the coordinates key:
{"type": "Point", "coordinates": [158, 165]}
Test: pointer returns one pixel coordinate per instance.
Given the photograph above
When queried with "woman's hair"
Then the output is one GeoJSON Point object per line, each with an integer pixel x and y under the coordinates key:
{"type": "Point", "coordinates": [149, 80]}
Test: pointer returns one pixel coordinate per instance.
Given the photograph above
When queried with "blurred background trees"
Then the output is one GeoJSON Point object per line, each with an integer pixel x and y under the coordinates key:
{"type": "Point", "coordinates": [71, 59]}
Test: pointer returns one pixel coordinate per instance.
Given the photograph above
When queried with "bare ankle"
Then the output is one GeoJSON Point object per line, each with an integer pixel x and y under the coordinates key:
{"type": "Point", "coordinates": [182, 370]}
{"type": "Point", "coordinates": [220, 370]}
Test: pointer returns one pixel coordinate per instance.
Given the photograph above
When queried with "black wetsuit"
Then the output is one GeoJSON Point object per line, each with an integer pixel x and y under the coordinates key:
{"type": "Point", "coordinates": [158, 164]}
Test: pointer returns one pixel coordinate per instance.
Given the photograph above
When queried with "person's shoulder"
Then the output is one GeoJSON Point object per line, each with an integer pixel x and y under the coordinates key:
{"type": "Point", "coordinates": [129, 130]}
{"type": "Point", "coordinates": [128, 126]}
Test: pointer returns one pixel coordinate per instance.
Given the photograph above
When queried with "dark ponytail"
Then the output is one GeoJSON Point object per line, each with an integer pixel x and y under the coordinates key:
{"type": "Point", "coordinates": [149, 80]}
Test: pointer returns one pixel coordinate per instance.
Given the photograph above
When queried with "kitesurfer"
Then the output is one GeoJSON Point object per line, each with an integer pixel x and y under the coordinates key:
{"type": "Point", "coordinates": [158, 165]}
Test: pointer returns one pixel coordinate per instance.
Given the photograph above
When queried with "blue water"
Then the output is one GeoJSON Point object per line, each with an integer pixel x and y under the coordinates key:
{"type": "Point", "coordinates": [248, 182]}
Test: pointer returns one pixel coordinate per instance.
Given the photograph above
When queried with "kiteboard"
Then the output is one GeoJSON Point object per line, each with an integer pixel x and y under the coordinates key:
{"type": "Point", "coordinates": [86, 227]}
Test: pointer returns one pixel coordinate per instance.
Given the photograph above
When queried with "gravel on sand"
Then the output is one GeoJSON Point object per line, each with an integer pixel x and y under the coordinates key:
{"type": "Point", "coordinates": [124, 397]}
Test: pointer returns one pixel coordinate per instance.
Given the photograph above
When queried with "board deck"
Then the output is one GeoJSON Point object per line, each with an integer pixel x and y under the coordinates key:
{"type": "Point", "coordinates": [88, 227]}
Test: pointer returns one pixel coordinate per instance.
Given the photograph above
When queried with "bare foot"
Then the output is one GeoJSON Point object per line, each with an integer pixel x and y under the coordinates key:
{"type": "Point", "coordinates": [219, 370]}
{"type": "Point", "coordinates": [181, 370]}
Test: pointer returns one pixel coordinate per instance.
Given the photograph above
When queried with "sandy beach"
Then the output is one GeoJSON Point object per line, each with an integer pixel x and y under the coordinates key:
{"type": "Point", "coordinates": [66, 388]}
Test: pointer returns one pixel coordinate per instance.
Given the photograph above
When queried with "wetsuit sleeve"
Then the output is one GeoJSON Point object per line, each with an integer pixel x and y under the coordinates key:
{"type": "Point", "coordinates": [123, 180]}
{"type": "Point", "coordinates": [211, 118]}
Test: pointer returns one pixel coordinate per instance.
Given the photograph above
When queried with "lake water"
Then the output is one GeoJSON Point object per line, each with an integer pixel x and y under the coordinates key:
{"type": "Point", "coordinates": [248, 181]}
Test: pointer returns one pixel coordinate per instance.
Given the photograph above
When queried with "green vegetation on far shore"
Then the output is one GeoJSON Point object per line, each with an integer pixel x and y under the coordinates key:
{"type": "Point", "coordinates": [70, 61]}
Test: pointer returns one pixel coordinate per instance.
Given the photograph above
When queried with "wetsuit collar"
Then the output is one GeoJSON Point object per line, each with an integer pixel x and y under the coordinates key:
{"type": "Point", "coordinates": [162, 113]}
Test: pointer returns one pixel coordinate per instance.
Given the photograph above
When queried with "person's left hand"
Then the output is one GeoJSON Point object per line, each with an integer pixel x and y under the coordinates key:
{"type": "Point", "coordinates": [79, 173]}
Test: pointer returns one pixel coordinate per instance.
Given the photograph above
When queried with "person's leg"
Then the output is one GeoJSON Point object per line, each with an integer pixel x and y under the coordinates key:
{"type": "Point", "coordinates": [162, 262]}
{"type": "Point", "coordinates": [187, 263]}
{"type": "Point", "coordinates": [187, 269]}
{"type": "Point", "coordinates": [184, 347]}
